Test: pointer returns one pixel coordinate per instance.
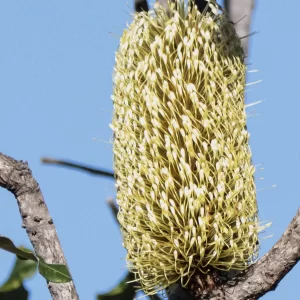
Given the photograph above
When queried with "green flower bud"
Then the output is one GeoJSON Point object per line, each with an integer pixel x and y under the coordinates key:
{"type": "Point", "coordinates": [184, 176]}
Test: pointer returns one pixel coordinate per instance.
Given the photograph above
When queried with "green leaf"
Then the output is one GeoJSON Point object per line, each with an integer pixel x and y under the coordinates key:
{"type": "Point", "coordinates": [7, 245]}
{"type": "Point", "coordinates": [13, 288]}
{"type": "Point", "coordinates": [123, 291]}
{"type": "Point", "coordinates": [23, 269]}
{"type": "Point", "coordinates": [56, 273]}
{"type": "Point", "coordinates": [18, 294]}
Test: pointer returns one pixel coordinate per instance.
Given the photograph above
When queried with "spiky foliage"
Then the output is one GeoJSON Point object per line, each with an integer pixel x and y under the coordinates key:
{"type": "Point", "coordinates": [183, 167]}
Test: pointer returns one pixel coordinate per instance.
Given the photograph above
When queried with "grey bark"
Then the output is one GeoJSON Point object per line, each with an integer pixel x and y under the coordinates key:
{"type": "Point", "coordinates": [240, 13]}
{"type": "Point", "coordinates": [16, 177]}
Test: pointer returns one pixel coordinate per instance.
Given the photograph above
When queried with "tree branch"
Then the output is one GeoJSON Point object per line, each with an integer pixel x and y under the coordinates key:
{"type": "Point", "coordinates": [85, 168]}
{"type": "Point", "coordinates": [240, 13]}
{"type": "Point", "coordinates": [16, 177]}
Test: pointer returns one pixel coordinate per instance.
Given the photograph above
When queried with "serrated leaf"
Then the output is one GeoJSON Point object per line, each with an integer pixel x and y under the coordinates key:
{"type": "Point", "coordinates": [7, 245]}
{"type": "Point", "coordinates": [23, 269]}
{"type": "Point", "coordinates": [57, 273]}
{"type": "Point", "coordinates": [18, 294]}
{"type": "Point", "coordinates": [123, 291]}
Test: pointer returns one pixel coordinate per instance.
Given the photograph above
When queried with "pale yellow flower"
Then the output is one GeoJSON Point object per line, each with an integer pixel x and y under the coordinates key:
{"type": "Point", "coordinates": [185, 183]}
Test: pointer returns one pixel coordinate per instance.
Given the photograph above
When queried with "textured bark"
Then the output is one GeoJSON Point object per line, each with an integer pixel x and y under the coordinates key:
{"type": "Point", "coordinates": [16, 177]}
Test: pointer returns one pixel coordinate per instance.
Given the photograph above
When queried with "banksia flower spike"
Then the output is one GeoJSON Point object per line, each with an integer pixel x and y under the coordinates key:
{"type": "Point", "coordinates": [184, 175]}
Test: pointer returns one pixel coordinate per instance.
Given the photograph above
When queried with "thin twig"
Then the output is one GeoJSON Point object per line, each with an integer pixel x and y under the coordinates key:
{"type": "Point", "coordinates": [16, 177]}
{"type": "Point", "coordinates": [85, 168]}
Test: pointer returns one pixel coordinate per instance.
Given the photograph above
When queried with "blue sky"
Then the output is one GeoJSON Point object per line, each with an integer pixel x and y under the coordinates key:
{"type": "Point", "coordinates": [56, 61]}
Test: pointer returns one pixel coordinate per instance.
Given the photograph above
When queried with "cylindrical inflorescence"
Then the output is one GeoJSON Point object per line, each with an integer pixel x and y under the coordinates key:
{"type": "Point", "coordinates": [184, 176]}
